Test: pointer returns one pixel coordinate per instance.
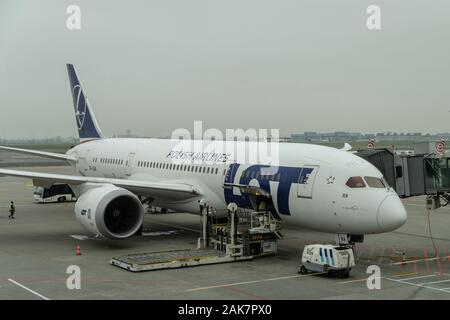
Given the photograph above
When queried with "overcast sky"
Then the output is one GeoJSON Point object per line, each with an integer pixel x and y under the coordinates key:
{"type": "Point", "coordinates": [154, 66]}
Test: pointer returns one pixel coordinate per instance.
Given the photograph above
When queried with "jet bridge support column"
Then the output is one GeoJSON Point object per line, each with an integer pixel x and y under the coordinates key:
{"type": "Point", "coordinates": [232, 207]}
{"type": "Point", "coordinates": [204, 211]}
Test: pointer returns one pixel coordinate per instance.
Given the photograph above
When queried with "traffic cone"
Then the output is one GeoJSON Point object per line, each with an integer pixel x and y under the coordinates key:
{"type": "Point", "coordinates": [78, 251]}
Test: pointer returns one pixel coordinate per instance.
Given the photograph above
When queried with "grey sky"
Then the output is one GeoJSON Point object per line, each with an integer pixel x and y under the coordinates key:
{"type": "Point", "coordinates": [153, 66]}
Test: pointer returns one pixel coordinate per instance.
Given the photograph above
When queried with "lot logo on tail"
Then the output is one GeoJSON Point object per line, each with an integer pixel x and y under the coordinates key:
{"type": "Point", "coordinates": [84, 117]}
{"type": "Point", "coordinates": [80, 109]}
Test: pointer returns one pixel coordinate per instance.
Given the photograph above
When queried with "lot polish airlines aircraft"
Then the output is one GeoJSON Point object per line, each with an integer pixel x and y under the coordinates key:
{"type": "Point", "coordinates": [314, 187]}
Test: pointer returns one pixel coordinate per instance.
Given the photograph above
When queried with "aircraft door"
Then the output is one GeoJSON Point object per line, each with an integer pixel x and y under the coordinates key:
{"type": "Point", "coordinates": [306, 181]}
{"type": "Point", "coordinates": [129, 164]}
{"type": "Point", "coordinates": [83, 163]}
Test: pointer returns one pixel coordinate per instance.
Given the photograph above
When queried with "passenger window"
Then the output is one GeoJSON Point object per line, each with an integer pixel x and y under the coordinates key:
{"type": "Point", "coordinates": [217, 170]}
{"type": "Point", "coordinates": [356, 182]}
{"type": "Point", "coordinates": [374, 182]}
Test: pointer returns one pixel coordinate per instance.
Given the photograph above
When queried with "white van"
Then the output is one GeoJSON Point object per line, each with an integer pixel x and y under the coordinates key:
{"type": "Point", "coordinates": [327, 258]}
{"type": "Point", "coordinates": [56, 193]}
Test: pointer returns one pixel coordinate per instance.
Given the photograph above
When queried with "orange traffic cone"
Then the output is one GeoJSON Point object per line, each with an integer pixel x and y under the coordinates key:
{"type": "Point", "coordinates": [78, 251]}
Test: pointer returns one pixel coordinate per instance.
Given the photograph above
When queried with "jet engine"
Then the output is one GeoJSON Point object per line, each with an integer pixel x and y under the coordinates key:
{"type": "Point", "coordinates": [109, 211]}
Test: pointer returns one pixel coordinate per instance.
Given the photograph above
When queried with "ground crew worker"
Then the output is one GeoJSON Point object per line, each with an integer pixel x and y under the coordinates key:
{"type": "Point", "coordinates": [262, 206]}
{"type": "Point", "coordinates": [12, 210]}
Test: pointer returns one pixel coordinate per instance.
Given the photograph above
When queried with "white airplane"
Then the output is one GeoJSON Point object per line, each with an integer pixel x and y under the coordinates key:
{"type": "Point", "coordinates": [313, 187]}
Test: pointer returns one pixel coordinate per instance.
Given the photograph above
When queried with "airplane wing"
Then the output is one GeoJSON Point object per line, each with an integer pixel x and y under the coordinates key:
{"type": "Point", "coordinates": [51, 155]}
{"type": "Point", "coordinates": [167, 190]}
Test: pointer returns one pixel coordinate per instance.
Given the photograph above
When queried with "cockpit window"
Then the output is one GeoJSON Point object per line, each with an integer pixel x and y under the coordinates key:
{"type": "Point", "coordinates": [356, 182]}
{"type": "Point", "coordinates": [374, 182]}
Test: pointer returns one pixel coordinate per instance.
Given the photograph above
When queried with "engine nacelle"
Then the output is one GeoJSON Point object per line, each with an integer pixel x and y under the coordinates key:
{"type": "Point", "coordinates": [109, 211]}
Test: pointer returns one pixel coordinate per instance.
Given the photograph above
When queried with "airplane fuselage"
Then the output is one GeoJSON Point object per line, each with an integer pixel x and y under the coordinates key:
{"type": "Point", "coordinates": [307, 185]}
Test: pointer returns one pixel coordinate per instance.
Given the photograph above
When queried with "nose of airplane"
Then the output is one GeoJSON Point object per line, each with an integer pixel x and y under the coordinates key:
{"type": "Point", "coordinates": [391, 213]}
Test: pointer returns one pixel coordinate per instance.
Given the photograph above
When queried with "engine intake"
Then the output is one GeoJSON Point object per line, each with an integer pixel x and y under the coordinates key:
{"type": "Point", "coordinates": [109, 211]}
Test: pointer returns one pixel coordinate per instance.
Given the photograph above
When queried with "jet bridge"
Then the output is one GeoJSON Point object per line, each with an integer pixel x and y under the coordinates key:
{"type": "Point", "coordinates": [412, 175]}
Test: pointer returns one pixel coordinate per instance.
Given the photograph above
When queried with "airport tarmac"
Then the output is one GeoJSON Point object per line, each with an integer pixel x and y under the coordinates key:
{"type": "Point", "coordinates": [37, 247]}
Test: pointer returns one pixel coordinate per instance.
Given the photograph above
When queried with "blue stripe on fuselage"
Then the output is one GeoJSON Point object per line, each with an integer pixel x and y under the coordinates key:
{"type": "Point", "coordinates": [285, 176]}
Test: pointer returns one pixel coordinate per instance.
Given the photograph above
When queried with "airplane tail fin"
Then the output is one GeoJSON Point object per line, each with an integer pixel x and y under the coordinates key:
{"type": "Point", "coordinates": [88, 128]}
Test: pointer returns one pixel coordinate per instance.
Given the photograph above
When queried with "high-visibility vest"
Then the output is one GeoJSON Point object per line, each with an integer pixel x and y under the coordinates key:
{"type": "Point", "coordinates": [262, 205]}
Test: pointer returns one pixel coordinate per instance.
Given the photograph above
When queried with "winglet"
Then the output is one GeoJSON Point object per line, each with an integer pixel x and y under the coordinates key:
{"type": "Point", "coordinates": [88, 128]}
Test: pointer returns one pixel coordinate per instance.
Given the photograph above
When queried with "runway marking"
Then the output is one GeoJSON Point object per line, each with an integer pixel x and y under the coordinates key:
{"type": "Point", "coordinates": [420, 277]}
{"type": "Point", "coordinates": [418, 285]}
{"type": "Point", "coordinates": [254, 281]}
{"type": "Point", "coordinates": [350, 281]}
{"type": "Point", "coordinates": [436, 281]}
{"type": "Point", "coordinates": [247, 293]}
{"type": "Point", "coordinates": [28, 289]}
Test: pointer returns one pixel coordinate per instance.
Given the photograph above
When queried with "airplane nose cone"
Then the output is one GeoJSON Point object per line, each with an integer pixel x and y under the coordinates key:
{"type": "Point", "coordinates": [391, 213]}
